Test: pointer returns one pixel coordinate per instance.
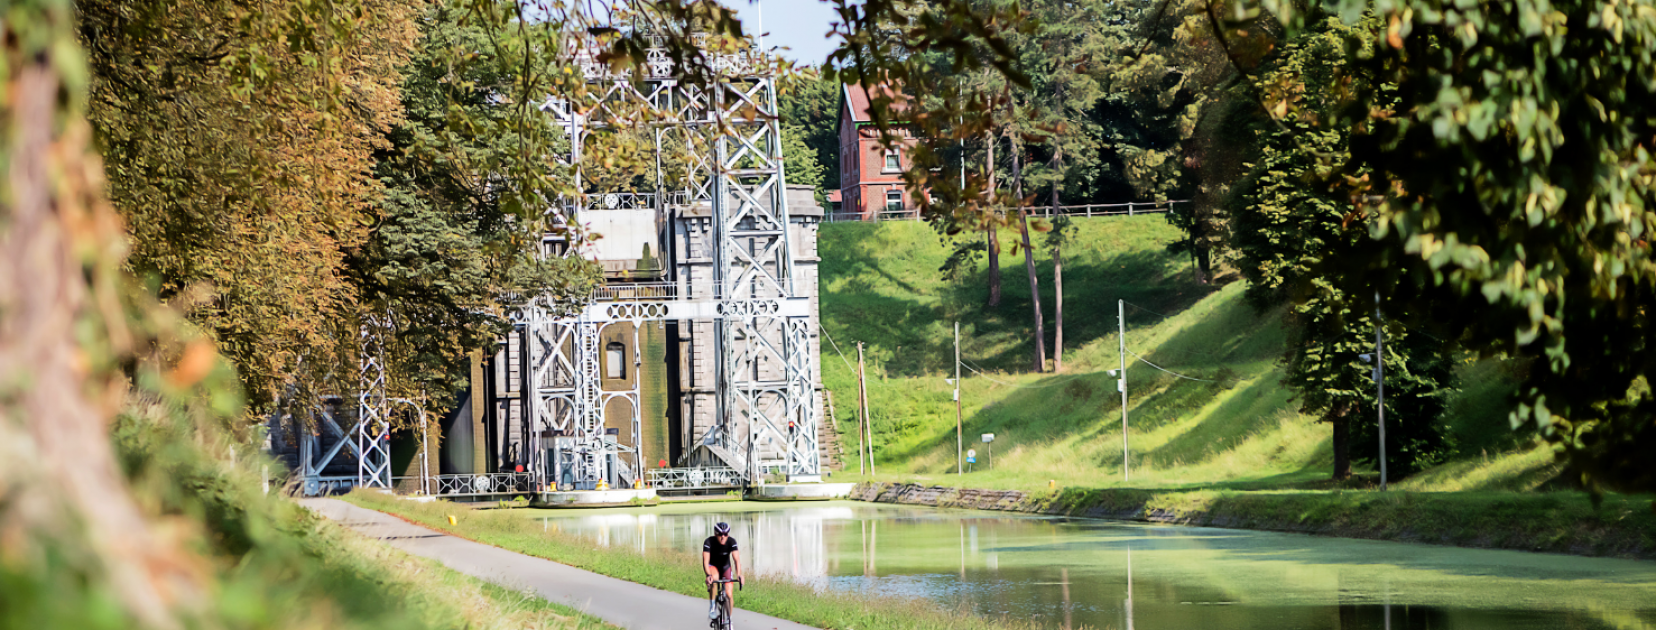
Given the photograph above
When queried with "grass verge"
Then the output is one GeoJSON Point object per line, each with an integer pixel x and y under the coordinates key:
{"type": "Point", "coordinates": [773, 596]}
{"type": "Point", "coordinates": [1557, 522]}
{"type": "Point", "coordinates": [439, 596]}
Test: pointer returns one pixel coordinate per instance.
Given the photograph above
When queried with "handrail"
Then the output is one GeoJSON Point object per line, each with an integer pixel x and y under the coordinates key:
{"type": "Point", "coordinates": [689, 478]}
{"type": "Point", "coordinates": [475, 485]}
{"type": "Point", "coordinates": [635, 291]}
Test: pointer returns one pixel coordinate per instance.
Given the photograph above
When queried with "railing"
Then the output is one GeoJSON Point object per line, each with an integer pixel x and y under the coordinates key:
{"type": "Point", "coordinates": [638, 291]}
{"type": "Point", "coordinates": [883, 215]}
{"type": "Point", "coordinates": [692, 478]}
{"type": "Point", "coordinates": [1131, 208]}
{"type": "Point", "coordinates": [471, 485]}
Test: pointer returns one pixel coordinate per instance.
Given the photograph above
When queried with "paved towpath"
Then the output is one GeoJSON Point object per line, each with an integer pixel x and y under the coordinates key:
{"type": "Point", "coordinates": [625, 604]}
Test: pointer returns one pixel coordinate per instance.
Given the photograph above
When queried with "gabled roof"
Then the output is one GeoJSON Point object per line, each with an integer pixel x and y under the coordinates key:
{"type": "Point", "coordinates": [859, 101]}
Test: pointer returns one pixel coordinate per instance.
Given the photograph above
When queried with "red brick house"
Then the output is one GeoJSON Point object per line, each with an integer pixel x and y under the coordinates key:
{"type": "Point", "coordinates": [871, 177]}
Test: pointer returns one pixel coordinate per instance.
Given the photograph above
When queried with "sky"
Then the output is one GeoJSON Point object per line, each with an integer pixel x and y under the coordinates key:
{"type": "Point", "coordinates": [798, 25]}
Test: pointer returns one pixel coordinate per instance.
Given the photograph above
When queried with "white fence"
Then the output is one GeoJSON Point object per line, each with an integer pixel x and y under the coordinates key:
{"type": "Point", "coordinates": [1130, 208]}
{"type": "Point", "coordinates": [636, 291]}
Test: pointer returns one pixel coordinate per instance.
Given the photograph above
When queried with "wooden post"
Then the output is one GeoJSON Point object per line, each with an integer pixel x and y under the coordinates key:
{"type": "Point", "coordinates": [862, 420]}
{"type": "Point", "coordinates": [868, 423]}
{"type": "Point", "coordinates": [959, 440]}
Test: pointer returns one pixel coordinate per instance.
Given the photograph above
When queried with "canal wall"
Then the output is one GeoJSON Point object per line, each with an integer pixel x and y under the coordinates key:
{"type": "Point", "coordinates": [1546, 522]}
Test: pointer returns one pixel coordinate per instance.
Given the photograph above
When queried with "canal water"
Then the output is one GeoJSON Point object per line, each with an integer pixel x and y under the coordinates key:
{"type": "Point", "coordinates": [1072, 573]}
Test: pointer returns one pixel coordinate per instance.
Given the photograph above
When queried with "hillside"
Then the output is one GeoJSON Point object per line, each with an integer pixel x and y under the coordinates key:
{"type": "Point", "coordinates": [1230, 422]}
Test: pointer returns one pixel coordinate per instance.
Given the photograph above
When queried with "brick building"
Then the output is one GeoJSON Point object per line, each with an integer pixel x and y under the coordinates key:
{"type": "Point", "coordinates": [871, 176]}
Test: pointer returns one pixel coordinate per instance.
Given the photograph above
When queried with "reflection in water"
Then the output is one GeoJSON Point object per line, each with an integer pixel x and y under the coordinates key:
{"type": "Point", "coordinates": [1077, 573]}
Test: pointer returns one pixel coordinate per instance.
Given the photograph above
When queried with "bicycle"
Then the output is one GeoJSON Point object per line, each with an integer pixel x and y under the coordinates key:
{"type": "Point", "coordinates": [721, 603]}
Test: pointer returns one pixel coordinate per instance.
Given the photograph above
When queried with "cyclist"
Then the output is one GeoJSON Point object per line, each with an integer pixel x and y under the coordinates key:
{"type": "Point", "coordinates": [722, 560]}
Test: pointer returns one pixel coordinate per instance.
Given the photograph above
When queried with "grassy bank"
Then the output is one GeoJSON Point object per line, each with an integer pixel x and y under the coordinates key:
{"type": "Point", "coordinates": [259, 560]}
{"type": "Point", "coordinates": [1215, 416]}
{"type": "Point", "coordinates": [433, 595]}
{"type": "Point", "coordinates": [773, 596]}
{"type": "Point", "coordinates": [1557, 522]}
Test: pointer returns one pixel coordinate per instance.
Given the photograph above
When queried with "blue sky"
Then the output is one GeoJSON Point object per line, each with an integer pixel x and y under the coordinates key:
{"type": "Point", "coordinates": [797, 24]}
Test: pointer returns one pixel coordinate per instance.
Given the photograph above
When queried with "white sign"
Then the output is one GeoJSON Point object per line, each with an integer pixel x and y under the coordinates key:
{"type": "Point", "coordinates": [971, 452]}
{"type": "Point", "coordinates": [988, 437]}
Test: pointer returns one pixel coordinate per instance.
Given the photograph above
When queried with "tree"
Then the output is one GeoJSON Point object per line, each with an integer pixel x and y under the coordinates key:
{"type": "Point", "coordinates": [448, 248]}
{"type": "Point", "coordinates": [1061, 233]}
{"type": "Point", "coordinates": [1164, 115]}
{"type": "Point", "coordinates": [1038, 362]}
{"type": "Point", "coordinates": [1507, 149]}
{"type": "Point", "coordinates": [808, 103]}
{"type": "Point", "coordinates": [241, 167]}
{"type": "Point", "coordinates": [800, 159]}
{"type": "Point", "coordinates": [1290, 221]}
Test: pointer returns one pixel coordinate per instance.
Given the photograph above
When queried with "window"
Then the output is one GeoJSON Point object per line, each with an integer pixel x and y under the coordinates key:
{"type": "Point", "coordinates": [615, 362]}
{"type": "Point", "coordinates": [891, 163]}
{"type": "Point", "coordinates": [894, 201]}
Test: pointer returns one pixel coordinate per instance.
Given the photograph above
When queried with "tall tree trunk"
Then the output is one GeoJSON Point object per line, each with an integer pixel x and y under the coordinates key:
{"type": "Point", "coordinates": [1340, 417]}
{"type": "Point", "coordinates": [62, 330]}
{"type": "Point", "coordinates": [993, 226]}
{"type": "Point", "coordinates": [1039, 361]}
{"type": "Point", "coordinates": [1057, 276]}
{"type": "Point", "coordinates": [1058, 309]}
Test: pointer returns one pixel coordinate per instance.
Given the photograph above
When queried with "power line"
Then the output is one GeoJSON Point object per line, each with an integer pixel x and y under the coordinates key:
{"type": "Point", "coordinates": [837, 348]}
{"type": "Point", "coordinates": [1163, 315]}
{"type": "Point", "coordinates": [1147, 362]}
{"type": "Point", "coordinates": [981, 373]}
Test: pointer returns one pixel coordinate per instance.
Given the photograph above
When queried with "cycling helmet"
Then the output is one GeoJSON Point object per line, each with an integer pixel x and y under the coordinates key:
{"type": "Point", "coordinates": [721, 528]}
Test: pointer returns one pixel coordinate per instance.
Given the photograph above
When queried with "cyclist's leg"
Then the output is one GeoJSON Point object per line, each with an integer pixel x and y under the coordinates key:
{"type": "Point", "coordinates": [729, 588]}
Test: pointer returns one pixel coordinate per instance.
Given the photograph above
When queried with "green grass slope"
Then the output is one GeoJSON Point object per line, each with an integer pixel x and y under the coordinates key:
{"type": "Point", "coordinates": [1215, 411]}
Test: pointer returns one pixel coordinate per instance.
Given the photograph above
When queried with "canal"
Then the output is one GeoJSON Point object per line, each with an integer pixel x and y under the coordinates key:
{"type": "Point", "coordinates": [1072, 573]}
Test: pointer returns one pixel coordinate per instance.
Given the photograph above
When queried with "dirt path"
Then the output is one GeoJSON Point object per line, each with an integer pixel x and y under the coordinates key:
{"type": "Point", "coordinates": [622, 603]}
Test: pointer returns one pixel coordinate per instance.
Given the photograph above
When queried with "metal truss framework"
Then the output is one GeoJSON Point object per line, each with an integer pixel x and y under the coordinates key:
{"type": "Point", "coordinates": [766, 414]}
{"type": "Point", "coordinates": [368, 441]}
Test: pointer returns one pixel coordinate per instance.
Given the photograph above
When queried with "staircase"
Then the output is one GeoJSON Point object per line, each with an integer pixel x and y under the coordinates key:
{"type": "Point", "coordinates": [829, 451]}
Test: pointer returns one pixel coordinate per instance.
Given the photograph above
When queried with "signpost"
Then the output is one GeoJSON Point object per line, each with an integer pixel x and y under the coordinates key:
{"type": "Point", "coordinates": [971, 456]}
{"type": "Point", "coordinates": [989, 439]}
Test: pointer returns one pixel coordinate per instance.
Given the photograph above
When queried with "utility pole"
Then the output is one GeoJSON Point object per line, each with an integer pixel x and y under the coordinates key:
{"type": "Point", "coordinates": [868, 423]}
{"type": "Point", "coordinates": [862, 423]}
{"type": "Point", "coordinates": [1380, 382]}
{"type": "Point", "coordinates": [959, 441]}
{"type": "Point", "coordinates": [1121, 383]}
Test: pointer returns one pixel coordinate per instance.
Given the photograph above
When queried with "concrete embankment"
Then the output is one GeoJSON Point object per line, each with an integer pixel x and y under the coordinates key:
{"type": "Point", "coordinates": [1546, 522]}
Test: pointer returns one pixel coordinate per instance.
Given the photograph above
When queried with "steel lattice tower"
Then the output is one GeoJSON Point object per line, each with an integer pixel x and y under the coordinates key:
{"type": "Point", "coordinates": [766, 411]}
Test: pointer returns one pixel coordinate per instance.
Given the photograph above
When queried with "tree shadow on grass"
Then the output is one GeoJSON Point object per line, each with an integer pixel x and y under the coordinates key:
{"type": "Point", "coordinates": [1154, 280]}
{"type": "Point", "coordinates": [1241, 416]}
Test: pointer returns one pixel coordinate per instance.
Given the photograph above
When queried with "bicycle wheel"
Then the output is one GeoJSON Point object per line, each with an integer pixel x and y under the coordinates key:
{"type": "Point", "coordinates": [724, 613]}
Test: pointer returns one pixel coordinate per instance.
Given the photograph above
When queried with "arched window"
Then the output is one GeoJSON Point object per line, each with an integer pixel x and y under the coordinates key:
{"type": "Point", "coordinates": [615, 362]}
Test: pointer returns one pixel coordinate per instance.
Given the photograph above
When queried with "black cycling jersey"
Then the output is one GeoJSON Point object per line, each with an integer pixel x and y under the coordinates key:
{"type": "Point", "coordinates": [719, 555]}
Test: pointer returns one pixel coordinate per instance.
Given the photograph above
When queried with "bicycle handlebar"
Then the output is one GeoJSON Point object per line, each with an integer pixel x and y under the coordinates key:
{"type": "Point", "coordinates": [738, 582]}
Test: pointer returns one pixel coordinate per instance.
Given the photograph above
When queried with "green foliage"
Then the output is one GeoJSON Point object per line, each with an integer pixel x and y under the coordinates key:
{"type": "Point", "coordinates": [240, 164]}
{"type": "Point", "coordinates": [1510, 148]}
{"type": "Point", "coordinates": [803, 169]}
{"type": "Point", "coordinates": [448, 248]}
{"type": "Point", "coordinates": [1245, 430]}
{"type": "Point", "coordinates": [808, 103]}
{"type": "Point", "coordinates": [1291, 224]}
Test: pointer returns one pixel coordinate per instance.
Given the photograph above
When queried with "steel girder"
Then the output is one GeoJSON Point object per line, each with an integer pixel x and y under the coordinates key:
{"type": "Point", "coordinates": [766, 412]}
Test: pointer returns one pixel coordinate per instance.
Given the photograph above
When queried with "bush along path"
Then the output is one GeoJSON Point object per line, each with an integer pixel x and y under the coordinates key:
{"type": "Point", "coordinates": [1556, 522]}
